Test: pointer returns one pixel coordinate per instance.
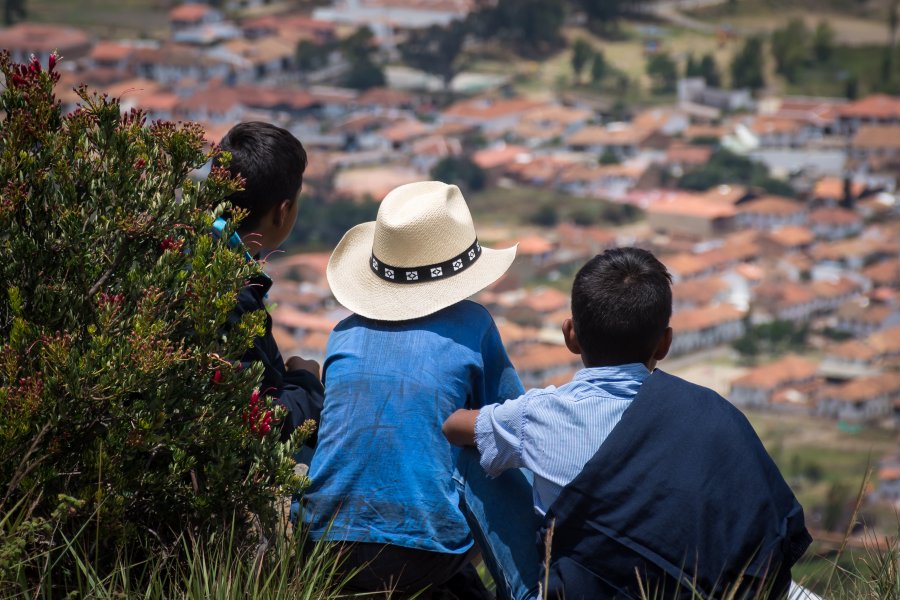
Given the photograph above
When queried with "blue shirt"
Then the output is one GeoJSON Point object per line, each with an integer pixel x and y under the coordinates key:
{"type": "Point", "coordinates": [382, 468]}
{"type": "Point", "coordinates": [553, 432]}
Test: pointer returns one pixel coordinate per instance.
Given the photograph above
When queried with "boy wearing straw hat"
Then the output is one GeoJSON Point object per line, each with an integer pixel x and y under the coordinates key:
{"type": "Point", "coordinates": [383, 476]}
{"type": "Point", "coordinates": [647, 484]}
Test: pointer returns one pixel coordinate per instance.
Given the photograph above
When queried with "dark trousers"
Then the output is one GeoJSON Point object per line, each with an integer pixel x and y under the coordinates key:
{"type": "Point", "coordinates": [403, 571]}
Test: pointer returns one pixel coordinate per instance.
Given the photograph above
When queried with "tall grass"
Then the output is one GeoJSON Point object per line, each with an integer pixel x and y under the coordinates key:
{"type": "Point", "coordinates": [289, 567]}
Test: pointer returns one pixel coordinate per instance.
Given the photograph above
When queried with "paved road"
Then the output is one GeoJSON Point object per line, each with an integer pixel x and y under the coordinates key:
{"type": "Point", "coordinates": [670, 11]}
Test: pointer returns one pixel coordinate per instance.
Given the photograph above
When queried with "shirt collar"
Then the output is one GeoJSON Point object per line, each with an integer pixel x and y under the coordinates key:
{"type": "Point", "coordinates": [628, 372]}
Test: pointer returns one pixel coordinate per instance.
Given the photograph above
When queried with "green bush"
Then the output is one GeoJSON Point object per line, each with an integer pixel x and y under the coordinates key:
{"type": "Point", "coordinates": [122, 403]}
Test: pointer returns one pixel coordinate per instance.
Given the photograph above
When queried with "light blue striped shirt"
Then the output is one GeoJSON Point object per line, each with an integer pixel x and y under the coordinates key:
{"type": "Point", "coordinates": [553, 432]}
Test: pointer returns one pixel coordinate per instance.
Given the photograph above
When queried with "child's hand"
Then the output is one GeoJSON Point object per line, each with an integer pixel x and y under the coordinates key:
{"type": "Point", "coordinates": [459, 428]}
{"type": "Point", "coordinates": [295, 363]}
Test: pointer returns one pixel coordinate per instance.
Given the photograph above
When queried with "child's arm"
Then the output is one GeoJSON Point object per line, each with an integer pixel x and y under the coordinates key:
{"type": "Point", "coordinates": [459, 428]}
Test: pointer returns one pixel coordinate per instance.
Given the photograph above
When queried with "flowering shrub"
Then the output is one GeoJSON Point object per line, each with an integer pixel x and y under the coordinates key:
{"type": "Point", "coordinates": [121, 399]}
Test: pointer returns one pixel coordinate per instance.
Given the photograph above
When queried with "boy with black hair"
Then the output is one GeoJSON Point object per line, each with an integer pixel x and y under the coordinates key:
{"type": "Point", "coordinates": [271, 161]}
{"type": "Point", "coordinates": [646, 480]}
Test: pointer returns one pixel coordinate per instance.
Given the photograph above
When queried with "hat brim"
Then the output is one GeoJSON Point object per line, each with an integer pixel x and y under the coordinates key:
{"type": "Point", "coordinates": [359, 289]}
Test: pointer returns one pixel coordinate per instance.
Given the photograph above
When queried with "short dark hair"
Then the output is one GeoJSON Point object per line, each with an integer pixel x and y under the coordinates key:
{"type": "Point", "coordinates": [271, 161]}
{"type": "Point", "coordinates": [621, 306]}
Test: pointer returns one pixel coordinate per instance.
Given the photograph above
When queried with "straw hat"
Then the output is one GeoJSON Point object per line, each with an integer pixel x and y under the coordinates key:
{"type": "Point", "coordinates": [420, 255]}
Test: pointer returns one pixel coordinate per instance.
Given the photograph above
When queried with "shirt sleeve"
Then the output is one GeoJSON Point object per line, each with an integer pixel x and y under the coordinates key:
{"type": "Point", "coordinates": [498, 435]}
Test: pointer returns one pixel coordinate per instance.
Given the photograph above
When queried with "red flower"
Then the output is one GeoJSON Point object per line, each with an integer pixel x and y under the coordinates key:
{"type": "Point", "coordinates": [217, 376]}
{"type": "Point", "coordinates": [51, 62]}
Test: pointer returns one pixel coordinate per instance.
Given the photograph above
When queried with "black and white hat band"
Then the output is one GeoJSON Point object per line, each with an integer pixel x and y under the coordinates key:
{"type": "Point", "coordinates": [443, 270]}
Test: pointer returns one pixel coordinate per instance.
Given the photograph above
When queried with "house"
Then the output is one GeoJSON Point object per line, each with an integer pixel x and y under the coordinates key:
{"type": "Point", "coordinates": [793, 238]}
{"type": "Point", "coordinates": [694, 90]}
{"type": "Point", "coordinates": [835, 223]}
{"type": "Point", "coordinates": [216, 104]}
{"type": "Point", "coordinates": [495, 159]}
{"type": "Point", "coordinates": [889, 483]}
{"type": "Point", "coordinates": [696, 293]}
{"type": "Point", "coordinates": [547, 123]}
{"type": "Point", "coordinates": [786, 300]}
{"type": "Point", "coordinates": [387, 19]}
{"type": "Point", "coordinates": [401, 134]}
{"type": "Point", "coordinates": [600, 181]}
{"type": "Point", "coordinates": [862, 356]}
{"type": "Point", "coordinates": [373, 183]}
{"type": "Point", "coordinates": [761, 386]}
{"type": "Point", "coordinates": [885, 273]}
{"type": "Point", "coordinates": [267, 56]}
{"type": "Point", "coordinates": [876, 141]}
{"type": "Point", "coordinates": [691, 214]}
{"type": "Point", "coordinates": [770, 212]}
{"type": "Point", "coordinates": [834, 190]}
{"type": "Point", "coordinates": [536, 363]}
{"type": "Point", "coordinates": [114, 56]}
{"type": "Point", "coordinates": [688, 266]}
{"type": "Point", "coordinates": [291, 28]}
{"type": "Point", "coordinates": [171, 63]}
{"type": "Point", "coordinates": [877, 109]}
{"type": "Point", "coordinates": [623, 140]}
{"type": "Point", "coordinates": [426, 152]}
{"type": "Point", "coordinates": [300, 323]}
{"type": "Point", "coordinates": [863, 399]}
{"type": "Point", "coordinates": [40, 39]}
{"type": "Point", "coordinates": [819, 113]}
{"type": "Point", "coordinates": [192, 16]}
{"type": "Point", "coordinates": [862, 318]}
{"type": "Point", "coordinates": [492, 115]}
{"type": "Point", "coordinates": [706, 327]}
{"type": "Point", "coordinates": [780, 132]}
{"type": "Point", "coordinates": [683, 157]}
{"type": "Point", "coordinates": [585, 241]}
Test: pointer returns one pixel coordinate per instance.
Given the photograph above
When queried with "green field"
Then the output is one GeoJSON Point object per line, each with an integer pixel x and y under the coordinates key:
{"type": "Point", "coordinates": [502, 206]}
{"type": "Point", "coordinates": [105, 18]}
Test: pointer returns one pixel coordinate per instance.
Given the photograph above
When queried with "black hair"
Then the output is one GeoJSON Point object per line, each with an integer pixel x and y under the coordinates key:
{"type": "Point", "coordinates": [271, 161]}
{"type": "Point", "coordinates": [621, 306]}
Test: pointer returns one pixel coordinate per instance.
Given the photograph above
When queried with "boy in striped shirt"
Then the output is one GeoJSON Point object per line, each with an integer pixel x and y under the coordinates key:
{"type": "Point", "coordinates": [644, 481]}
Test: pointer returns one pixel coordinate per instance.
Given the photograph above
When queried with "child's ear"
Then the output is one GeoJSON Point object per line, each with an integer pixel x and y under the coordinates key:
{"type": "Point", "coordinates": [282, 211]}
{"type": "Point", "coordinates": [665, 342]}
{"type": "Point", "coordinates": [568, 330]}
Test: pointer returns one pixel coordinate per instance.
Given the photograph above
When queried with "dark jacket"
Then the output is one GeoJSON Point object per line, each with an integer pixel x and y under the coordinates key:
{"type": "Point", "coordinates": [300, 392]}
{"type": "Point", "coordinates": [681, 493]}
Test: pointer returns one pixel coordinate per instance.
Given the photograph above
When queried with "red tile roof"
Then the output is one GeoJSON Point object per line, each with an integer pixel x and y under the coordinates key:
{"type": "Point", "coordinates": [788, 370]}
{"type": "Point", "coordinates": [707, 317]}
{"type": "Point", "coordinates": [189, 12]}
{"type": "Point", "coordinates": [877, 106]}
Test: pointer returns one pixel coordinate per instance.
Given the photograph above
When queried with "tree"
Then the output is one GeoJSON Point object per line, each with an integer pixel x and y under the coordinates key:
{"type": "Point", "coordinates": [823, 42]}
{"type": "Point", "coordinates": [581, 55]}
{"type": "Point", "coordinates": [606, 13]}
{"type": "Point", "coordinates": [692, 67]}
{"type": "Point", "coordinates": [436, 50]}
{"type": "Point", "coordinates": [545, 216]}
{"type": "Point", "coordinates": [364, 72]}
{"type": "Point", "coordinates": [791, 49]}
{"type": "Point", "coordinates": [599, 68]}
{"type": "Point", "coordinates": [609, 157]}
{"type": "Point", "coordinates": [709, 71]}
{"type": "Point", "coordinates": [461, 171]}
{"type": "Point", "coordinates": [124, 407]}
{"type": "Point", "coordinates": [747, 65]}
{"type": "Point", "coordinates": [312, 56]}
{"type": "Point", "coordinates": [662, 69]}
{"type": "Point", "coordinates": [13, 10]}
{"type": "Point", "coordinates": [725, 167]}
{"type": "Point", "coordinates": [530, 27]}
